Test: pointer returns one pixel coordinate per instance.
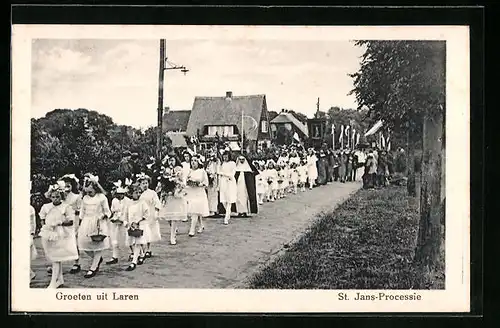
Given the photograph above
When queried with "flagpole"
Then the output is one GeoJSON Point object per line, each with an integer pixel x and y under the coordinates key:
{"type": "Point", "coordinates": [341, 137]}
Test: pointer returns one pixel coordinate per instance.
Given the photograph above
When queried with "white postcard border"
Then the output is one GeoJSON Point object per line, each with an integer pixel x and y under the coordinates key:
{"type": "Point", "coordinates": [455, 298]}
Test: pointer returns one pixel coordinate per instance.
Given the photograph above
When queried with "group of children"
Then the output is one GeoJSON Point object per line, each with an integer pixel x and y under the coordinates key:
{"type": "Point", "coordinates": [288, 175]}
{"type": "Point", "coordinates": [81, 220]}
{"type": "Point", "coordinates": [75, 221]}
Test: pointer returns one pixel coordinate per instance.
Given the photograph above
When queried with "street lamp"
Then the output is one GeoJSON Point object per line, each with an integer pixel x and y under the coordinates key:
{"type": "Point", "coordinates": [165, 64]}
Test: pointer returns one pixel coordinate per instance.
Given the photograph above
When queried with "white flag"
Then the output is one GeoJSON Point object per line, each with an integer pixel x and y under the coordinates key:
{"type": "Point", "coordinates": [333, 128]}
{"type": "Point", "coordinates": [341, 132]}
{"type": "Point", "coordinates": [296, 136]}
{"type": "Point", "coordinates": [357, 138]}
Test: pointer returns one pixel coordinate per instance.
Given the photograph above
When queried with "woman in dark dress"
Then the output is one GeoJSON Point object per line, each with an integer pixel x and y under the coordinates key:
{"type": "Point", "coordinates": [349, 166]}
{"type": "Point", "coordinates": [342, 166]}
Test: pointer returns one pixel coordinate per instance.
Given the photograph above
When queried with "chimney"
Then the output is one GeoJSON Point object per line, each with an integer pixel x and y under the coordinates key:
{"type": "Point", "coordinates": [229, 94]}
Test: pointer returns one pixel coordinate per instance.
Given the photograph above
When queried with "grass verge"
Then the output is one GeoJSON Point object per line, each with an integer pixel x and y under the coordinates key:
{"type": "Point", "coordinates": [368, 242]}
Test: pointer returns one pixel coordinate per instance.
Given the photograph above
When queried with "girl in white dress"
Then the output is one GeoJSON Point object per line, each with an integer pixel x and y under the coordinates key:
{"type": "Point", "coordinates": [212, 167]}
{"type": "Point", "coordinates": [186, 166]}
{"type": "Point", "coordinates": [136, 221]}
{"type": "Point", "coordinates": [150, 197]}
{"type": "Point", "coordinates": [302, 172]}
{"type": "Point", "coordinates": [260, 181]}
{"type": "Point", "coordinates": [286, 178]}
{"type": "Point", "coordinates": [58, 234]}
{"type": "Point", "coordinates": [117, 230]}
{"type": "Point", "coordinates": [227, 184]}
{"type": "Point", "coordinates": [94, 214]}
{"type": "Point", "coordinates": [173, 196]}
{"type": "Point", "coordinates": [197, 201]}
{"type": "Point", "coordinates": [312, 170]}
{"type": "Point", "coordinates": [294, 177]}
{"type": "Point", "coordinates": [272, 181]}
{"type": "Point", "coordinates": [73, 198]}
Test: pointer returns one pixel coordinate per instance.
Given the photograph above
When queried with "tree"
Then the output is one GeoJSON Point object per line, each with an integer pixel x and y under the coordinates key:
{"type": "Point", "coordinates": [272, 114]}
{"type": "Point", "coordinates": [392, 85]}
{"type": "Point", "coordinates": [301, 117]}
{"type": "Point", "coordinates": [432, 204]}
{"type": "Point", "coordinates": [403, 83]}
{"type": "Point", "coordinates": [80, 141]}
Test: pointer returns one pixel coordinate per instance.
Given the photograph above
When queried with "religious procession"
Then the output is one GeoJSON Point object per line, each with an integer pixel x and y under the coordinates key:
{"type": "Point", "coordinates": [81, 218]}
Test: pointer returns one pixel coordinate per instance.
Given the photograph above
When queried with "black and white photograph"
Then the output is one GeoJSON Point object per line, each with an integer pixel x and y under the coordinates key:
{"type": "Point", "coordinates": [237, 169]}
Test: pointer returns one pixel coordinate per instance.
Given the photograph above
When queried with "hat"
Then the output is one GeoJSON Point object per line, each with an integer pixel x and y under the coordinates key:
{"type": "Point", "coordinates": [58, 186]}
{"type": "Point", "coordinates": [70, 176]}
{"type": "Point", "coordinates": [122, 188]}
{"type": "Point", "coordinates": [142, 176]}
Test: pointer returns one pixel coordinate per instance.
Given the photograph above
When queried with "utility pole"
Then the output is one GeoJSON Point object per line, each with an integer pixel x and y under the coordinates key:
{"type": "Point", "coordinates": [159, 132]}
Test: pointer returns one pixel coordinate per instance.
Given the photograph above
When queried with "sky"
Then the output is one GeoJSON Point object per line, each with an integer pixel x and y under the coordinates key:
{"type": "Point", "coordinates": [119, 78]}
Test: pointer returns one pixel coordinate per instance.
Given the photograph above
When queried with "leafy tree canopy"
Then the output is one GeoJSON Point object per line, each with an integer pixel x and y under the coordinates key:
{"type": "Point", "coordinates": [399, 81]}
{"type": "Point", "coordinates": [82, 140]}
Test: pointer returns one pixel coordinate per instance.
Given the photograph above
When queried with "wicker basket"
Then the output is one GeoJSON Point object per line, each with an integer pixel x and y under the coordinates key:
{"type": "Point", "coordinates": [67, 223]}
{"type": "Point", "coordinates": [99, 237]}
{"type": "Point", "coordinates": [135, 232]}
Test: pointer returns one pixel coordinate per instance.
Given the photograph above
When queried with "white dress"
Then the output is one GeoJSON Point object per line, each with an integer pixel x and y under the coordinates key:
{"type": "Point", "coordinates": [285, 175]}
{"type": "Point", "coordinates": [294, 176]}
{"type": "Point", "coordinates": [302, 172]}
{"type": "Point", "coordinates": [117, 230]}
{"type": "Point", "coordinates": [227, 182]}
{"type": "Point", "coordinates": [260, 183]}
{"type": "Point", "coordinates": [272, 179]}
{"type": "Point", "coordinates": [34, 252]}
{"type": "Point", "coordinates": [197, 201]}
{"type": "Point", "coordinates": [150, 197]}
{"type": "Point", "coordinates": [242, 204]}
{"type": "Point", "coordinates": [75, 202]}
{"type": "Point", "coordinates": [91, 213]}
{"type": "Point", "coordinates": [59, 242]}
{"type": "Point", "coordinates": [186, 167]}
{"type": "Point", "coordinates": [312, 170]}
{"type": "Point", "coordinates": [136, 211]}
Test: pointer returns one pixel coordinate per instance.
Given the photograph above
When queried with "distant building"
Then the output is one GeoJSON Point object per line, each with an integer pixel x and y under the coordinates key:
{"type": "Point", "coordinates": [174, 125]}
{"type": "Point", "coordinates": [176, 120]}
{"type": "Point", "coordinates": [291, 123]}
{"type": "Point", "coordinates": [178, 139]}
{"type": "Point", "coordinates": [222, 116]}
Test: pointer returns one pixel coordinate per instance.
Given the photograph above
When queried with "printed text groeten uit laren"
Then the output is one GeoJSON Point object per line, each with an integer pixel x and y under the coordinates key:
{"type": "Point", "coordinates": [379, 297]}
{"type": "Point", "coordinates": [114, 296]}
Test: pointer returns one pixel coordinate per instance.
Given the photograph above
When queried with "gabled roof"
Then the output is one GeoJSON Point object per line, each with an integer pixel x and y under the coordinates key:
{"type": "Point", "coordinates": [177, 138]}
{"type": "Point", "coordinates": [226, 111]}
{"type": "Point", "coordinates": [285, 117]}
{"type": "Point", "coordinates": [176, 120]}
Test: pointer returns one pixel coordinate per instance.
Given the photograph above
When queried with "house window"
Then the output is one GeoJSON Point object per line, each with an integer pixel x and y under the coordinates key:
{"type": "Point", "coordinates": [263, 125]}
{"type": "Point", "coordinates": [221, 130]}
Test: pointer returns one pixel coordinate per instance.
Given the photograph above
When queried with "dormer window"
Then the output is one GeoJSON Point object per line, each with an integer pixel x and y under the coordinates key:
{"type": "Point", "coordinates": [263, 126]}
{"type": "Point", "coordinates": [221, 130]}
